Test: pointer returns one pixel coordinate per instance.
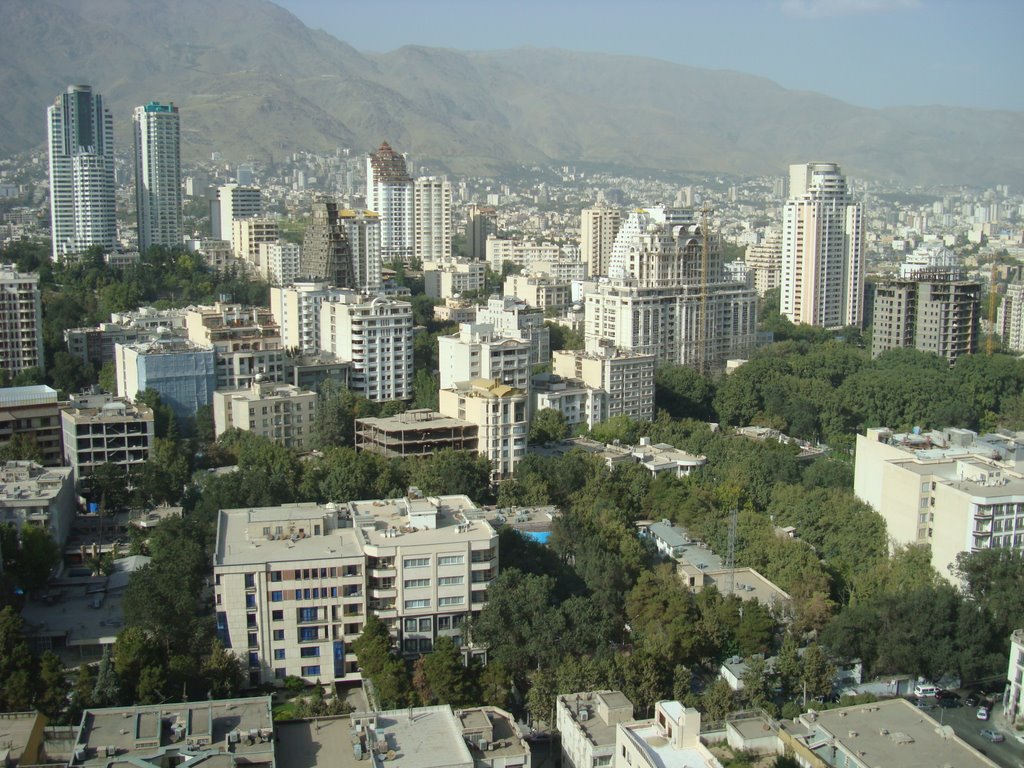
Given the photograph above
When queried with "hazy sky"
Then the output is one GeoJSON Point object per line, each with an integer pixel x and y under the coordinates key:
{"type": "Point", "coordinates": [873, 53]}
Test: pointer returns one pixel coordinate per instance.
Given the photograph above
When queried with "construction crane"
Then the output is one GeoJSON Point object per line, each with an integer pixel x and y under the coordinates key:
{"type": "Point", "coordinates": [702, 312]}
{"type": "Point", "coordinates": [990, 343]}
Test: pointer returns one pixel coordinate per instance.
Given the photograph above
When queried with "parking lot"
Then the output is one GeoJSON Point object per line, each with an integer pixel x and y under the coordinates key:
{"type": "Point", "coordinates": [965, 722]}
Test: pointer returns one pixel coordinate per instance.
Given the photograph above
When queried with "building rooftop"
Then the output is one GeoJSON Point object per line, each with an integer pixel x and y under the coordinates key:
{"type": "Point", "coordinates": [106, 408]}
{"type": "Point", "coordinates": [22, 481]}
{"type": "Point", "coordinates": [425, 737]}
{"type": "Point", "coordinates": [36, 394]}
{"type": "Point", "coordinates": [16, 730]}
{"type": "Point", "coordinates": [417, 520]}
{"type": "Point", "coordinates": [489, 388]}
{"type": "Point", "coordinates": [662, 752]}
{"type": "Point", "coordinates": [598, 713]}
{"type": "Point", "coordinates": [412, 421]}
{"type": "Point", "coordinates": [240, 537]}
{"type": "Point", "coordinates": [218, 733]}
{"type": "Point", "coordinates": [492, 735]}
{"type": "Point", "coordinates": [889, 733]}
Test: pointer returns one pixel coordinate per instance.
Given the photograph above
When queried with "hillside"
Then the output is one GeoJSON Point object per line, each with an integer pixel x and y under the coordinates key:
{"type": "Point", "coordinates": [252, 80]}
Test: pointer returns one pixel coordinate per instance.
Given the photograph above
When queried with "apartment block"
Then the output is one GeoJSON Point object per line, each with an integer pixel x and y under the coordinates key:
{"type": "Point", "coordinates": [951, 489]}
{"type": "Point", "coordinates": [296, 309]}
{"type": "Point", "coordinates": [578, 403]}
{"type": "Point", "coordinates": [447, 278]}
{"type": "Point", "coordinates": [477, 351]}
{"type": "Point", "coordinates": [598, 227]}
{"type": "Point", "coordinates": [522, 253]}
{"type": "Point", "coordinates": [432, 216]}
{"type": "Point", "coordinates": [671, 739]}
{"type": "Point", "coordinates": [587, 723]}
{"type": "Point", "coordinates": [279, 262]}
{"type": "Point", "coordinates": [246, 341]}
{"type": "Point", "coordinates": [326, 251]}
{"type": "Point", "coordinates": [157, 134]}
{"type": "Point", "coordinates": [514, 319]}
{"type": "Point", "coordinates": [21, 321]}
{"type": "Point", "coordinates": [248, 234]}
{"type": "Point", "coordinates": [101, 429]}
{"type": "Point", "coordinates": [500, 413]}
{"type": "Point", "coordinates": [362, 228]}
{"type": "Point", "coordinates": [417, 432]}
{"type": "Point", "coordinates": [481, 223]}
{"type": "Point", "coordinates": [389, 193]}
{"type": "Point", "coordinates": [455, 311]}
{"type": "Point", "coordinates": [764, 259]}
{"type": "Point", "coordinates": [31, 494]}
{"type": "Point", "coordinates": [934, 310]}
{"type": "Point", "coordinates": [540, 291]}
{"type": "Point", "coordinates": [627, 378]}
{"type": "Point", "coordinates": [279, 412]}
{"type": "Point", "coordinates": [375, 334]}
{"type": "Point", "coordinates": [233, 202]}
{"type": "Point", "coordinates": [33, 411]}
{"type": "Point", "coordinates": [1013, 695]}
{"type": "Point", "coordinates": [294, 584]}
{"type": "Point", "coordinates": [182, 373]}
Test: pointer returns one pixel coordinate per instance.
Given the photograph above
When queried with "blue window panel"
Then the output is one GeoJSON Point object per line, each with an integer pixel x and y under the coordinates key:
{"type": "Point", "coordinates": [312, 652]}
{"type": "Point", "coordinates": [278, 653]}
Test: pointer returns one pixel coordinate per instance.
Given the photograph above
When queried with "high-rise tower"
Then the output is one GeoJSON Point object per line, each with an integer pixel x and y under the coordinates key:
{"type": "Point", "coordinates": [432, 212]}
{"type": "Point", "coordinates": [326, 253]}
{"type": "Point", "coordinates": [389, 192]}
{"type": "Point", "coordinates": [598, 227]}
{"type": "Point", "coordinates": [81, 143]}
{"type": "Point", "coordinates": [822, 249]}
{"type": "Point", "coordinates": [158, 174]}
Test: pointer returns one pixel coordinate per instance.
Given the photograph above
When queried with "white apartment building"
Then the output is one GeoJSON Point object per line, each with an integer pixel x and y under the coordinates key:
{"type": "Point", "coordinates": [21, 321]}
{"type": "Point", "coordinates": [363, 231]}
{"type": "Point", "coordinates": [522, 253]}
{"type": "Point", "coordinates": [158, 174]}
{"type": "Point", "coordinates": [587, 723]}
{"type": "Point", "coordinates": [764, 259]}
{"type": "Point", "coordinates": [447, 278]}
{"type": "Point", "coordinates": [279, 261]}
{"type": "Point", "coordinates": [952, 490]}
{"type": "Point", "coordinates": [540, 291]}
{"type": "Point", "coordinates": [670, 739]}
{"type": "Point", "coordinates": [478, 352]}
{"type": "Point", "coordinates": [927, 256]}
{"type": "Point", "coordinates": [577, 402]}
{"type": "Point", "coordinates": [1013, 695]}
{"type": "Point", "coordinates": [296, 309]}
{"type": "Point", "coordinates": [500, 413]}
{"type": "Point", "coordinates": [626, 378]}
{"type": "Point", "coordinates": [598, 227]}
{"type": "Point", "coordinates": [432, 215]}
{"type": "Point", "coordinates": [247, 235]}
{"type": "Point", "coordinates": [294, 584]}
{"type": "Point", "coordinates": [375, 334]}
{"type": "Point", "coordinates": [389, 193]}
{"type": "Point", "coordinates": [81, 151]}
{"type": "Point", "coordinates": [512, 318]}
{"type": "Point", "coordinates": [102, 429]}
{"type": "Point", "coordinates": [233, 202]}
{"type": "Point", "coordinates": [822, 249]}
{"type": "Point", "coordinates": [246, 341]}
{"type": "Point", "coordinates": [1010, 322]}
{"type": "Point", "coordinates": [41, 496]}
{"type": "Point", "coordinates": [280, 412]}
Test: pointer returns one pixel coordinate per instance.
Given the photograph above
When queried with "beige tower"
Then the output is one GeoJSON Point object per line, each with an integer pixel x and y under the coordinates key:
{"type": "Point", "coordinates": [598, 228]}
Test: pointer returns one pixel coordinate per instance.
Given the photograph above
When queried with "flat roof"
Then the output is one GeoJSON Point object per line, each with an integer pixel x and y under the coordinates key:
{"type": "Point", "coordinates": [506, 737]}
{"type": "Point", "coordinates": [35, 394]}
{"type": "Point", "coordinates": [598, 730]}
{"type": "Point", "coordinates": [15, 730]}
{"type": "Point", "coordinates": [237, 545]}
{"type": "Point", "coordinates": [391, 524]}
{"type": "Point", "coordinates": [748, 584]}
{"type": "Point", "coordinates": [413, 421]}
{"type": "Point", "coordinates": [663, 753]}
{"type": "Point", "coordinates": [891, 733]}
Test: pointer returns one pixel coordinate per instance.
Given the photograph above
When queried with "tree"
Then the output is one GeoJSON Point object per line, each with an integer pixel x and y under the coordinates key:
{"type": "Point", "coordinates": [684, 392]}
{"type": "Point", "coordinates": [540, 699]}
{"type": "Point", "coordinates": [222, 671]}
{"type": "Point", "coordinates": [38, 554]}
{"type": "Point", "coordinates": [788, 666]}
{"type": "Point", "coordinates": [717, 700]}
{"type": "Point", "coordinates": [21, 447]}
{"type": "Point", "coordinates": [52, 686]}
{"type": "Point", "coordinates": [495, 685]}
{"type": "Point", "coordinates": [134, 652]}
{"type": "Point", "coordinates": [818, 672]}
{"type": "Point", "coordinates": [450, 472]}
{"type": "Point", "coordinates": [81, 693]}
{"type": "Point", "coordinates": [547, 426]}
{"type": "Point", "coordinates": [17, 665]}
{"type": "Point", "coordinates": [165, 473]}
{"type": "Point", "coordinates": [757, 684]}
{"type": "Point", "coordinates": [107, 689]}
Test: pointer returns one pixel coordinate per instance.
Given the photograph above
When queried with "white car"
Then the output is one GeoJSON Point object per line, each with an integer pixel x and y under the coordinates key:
{"type": "Point", "coordinates": [983, 713]}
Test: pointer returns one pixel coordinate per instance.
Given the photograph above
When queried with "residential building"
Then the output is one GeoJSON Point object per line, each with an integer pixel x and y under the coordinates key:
{"type": "Point", "coordinates": [1013, 695]}
{"type": "Point", "coordinates": [540, 291]}
{"type": "Point", "coordinates": [418, 432]}
{"type": "Point", "coordinates": [500, 413]}
{"type": "Point", "coordinates": [478, 352]}
{"type": "Point", "coordinates": [952, 490]}
{"type": "Point", "coordinates": [25, 738]}
{"type": "Point", "coordinates": [455, 311]}
{"type": "Point", "coordinates": [389, 193]}
{"type": "Point", "coordinates": [892, 732]}
{"type": "Point", "coordinates": [81, 144]}
{"type": "Point", "coordinates": [934, 310]}
{"type": "Point", "coordinates": [218, 256]}
{"type": "Point", "coordinates": [296, 308]}
{"type": "Point", "coordinates": [363, 231]}
{"type": "Point", "coordinates": [511, 318]}
{"type": "Point", "coordinates": [588, 722]}
{"type": "Point", "coordinates": [1011, 318]}
{"type": "Point", "coordinates": [666, 297]}
{"type": "Point", "coordinates": [225, 732]}
{"type": "Point", "coordinates": [249, 233]}
{"type": "Point", "coordinates": [481, 223]}
{"type": "Point", "coordinates": [158, 175]}
{"type": "Point", "coordinates": [310, 371]}
{"type": "Point", "coordinates": [326, 252]}
{"type": "Point", "coordinates": [432, 216]}
{"type": "Point", "coordinates": [184, 374]}
{"type": "Point", "coordinates": [246, 341]}
{"type": "Point", "coordinates": [294, 584]}
{"type": "Point", "coordinates": [578, 403]}
{"type": "Point", "coordinates": [34, 412]}
{"type": "Point", "coordinates": [522, 253]}
{"type": "Point", "coordinates": [280, 412]}
{"type": "Point", "coordinates": [627, 378]}
{"type": "Point", "coordinates": [95, 346]}
{"type": "Point", "coordinates": [31, 494]}
{"type": "Point", "coordinates": [151, 319]}
{"type": "Point", "coordinates": [671, 739]}
{"type": "Point", "coordinates": [764, 259]}
{"type": "Point", "coordinates": [101, 429]}
{"type": "Point", "coordinates": [449, 278]}
{"type": "Point", "coordinates": [822, 248]}
{"type": "Point", "coordinates": [598, 227]}
{"type": "Point", "coordinates": [21, 321]}
{"type": "Point", "coordinates": [494, 738]}
{"type": "Point", "coordinates": [280, 261]}
{"type": "Point", "coordinates": [566, 268]}
{"type": "Point", "coordinates": [929, 256]}
{"type": "Point", "coordinates": [233, 202]}
{"type": "Point", "coordinates": [375, 334]}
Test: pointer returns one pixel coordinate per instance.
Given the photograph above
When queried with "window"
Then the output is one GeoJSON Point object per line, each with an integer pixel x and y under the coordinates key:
{"type": "Point", "coordinates": [279, 634]}
{"type": "Point", "coordinates": [279, 673]}
{"type": "Point", "coordinates": [416, 583]}
{"type": "Point", "coordinates": [425, 625]}
{"type": "Point", "coordinates": [410, 625]}
{"type": "Point", "coordinates": [417, 562]}
{"type": "Point", "coordinates": [250, 620]}
{"type": "Point", "coordinates": [444, 622]}
{"type": "Point", "coordinates": [276, 596]}
{"type": "Point", "coordinates": [250, 601]}
{"type": "Point", "coordinates": [309, 634]}
{"type": "Point", "coordinates": [279, 654]}
{"type": "Point", "coordinates": [313, 671]}
{"type": "Point", "coordinates": [310, 653]}
{"type": "Point", "coordinates": [307, 614]}
{"type": "Point", "coordinates": [457, 600]}
{"type": "Point", "coordinates": [410, 645]}
{"type": "Point", "coordinates": [451, 560]}
{"type": "Point", "coordinates": [448, 581]}
{"type": "Point", "coordinates": [250, 580]}
{"type": "Point", "coordinates": [277, 615]}
{"type": "Point", "coordinates": [274, 575]}
{"type": "Point", "coordinates": [417, 604]}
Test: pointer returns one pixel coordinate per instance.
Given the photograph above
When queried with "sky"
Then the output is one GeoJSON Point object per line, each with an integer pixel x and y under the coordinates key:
{"type": "Point", "coordinates": [872, 53]}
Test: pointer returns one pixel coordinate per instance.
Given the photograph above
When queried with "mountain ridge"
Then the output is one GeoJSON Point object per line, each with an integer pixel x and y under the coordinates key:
{"type": "Point", "coordinates": [252, 80]}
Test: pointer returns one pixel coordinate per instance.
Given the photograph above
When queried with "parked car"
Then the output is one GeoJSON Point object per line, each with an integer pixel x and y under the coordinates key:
{"type": "Point", "coordinates": [971, 700]}
{"type": "Point", "coordinates": [990, 734]}
{"type": "Point", "coordinates": [951, 695]}
{"type": "Point", "coordinates": [983, 713]}
{"type": "Point", "coordinates": [949, 703]}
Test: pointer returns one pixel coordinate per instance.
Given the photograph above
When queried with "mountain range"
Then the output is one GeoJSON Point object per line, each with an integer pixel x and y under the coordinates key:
{"type": "Point", "coordinates": [252, 80]}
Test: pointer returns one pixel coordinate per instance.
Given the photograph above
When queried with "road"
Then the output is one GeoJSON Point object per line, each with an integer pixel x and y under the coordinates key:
{"type": "Point", "coordinates": [967, 726]}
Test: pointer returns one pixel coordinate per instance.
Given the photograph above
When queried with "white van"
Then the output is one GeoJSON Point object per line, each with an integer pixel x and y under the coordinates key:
{"type": "Point", "coordinates": [924, 690]}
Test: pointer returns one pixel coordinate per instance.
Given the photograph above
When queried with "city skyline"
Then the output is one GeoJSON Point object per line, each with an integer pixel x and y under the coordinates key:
{"type": "Point", "coordinates": [953, 54]}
